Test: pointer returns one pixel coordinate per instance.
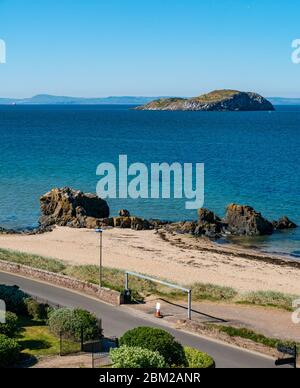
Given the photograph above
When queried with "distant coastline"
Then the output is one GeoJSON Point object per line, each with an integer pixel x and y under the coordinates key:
{"type": "Point", "coordinates": [47, 99]}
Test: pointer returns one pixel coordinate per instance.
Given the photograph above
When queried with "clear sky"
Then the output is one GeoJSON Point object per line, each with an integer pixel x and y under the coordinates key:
{"type": "Point", "coordinates": [142, 47]}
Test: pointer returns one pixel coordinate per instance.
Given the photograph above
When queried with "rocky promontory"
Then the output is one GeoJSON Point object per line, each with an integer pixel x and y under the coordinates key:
{"type": "Point", "coordinates": [218, 100]}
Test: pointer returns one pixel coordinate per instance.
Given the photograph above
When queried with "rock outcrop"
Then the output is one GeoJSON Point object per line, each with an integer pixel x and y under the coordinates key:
{"type": "Point", "coordinates": [239, 221]}
{"type": "Point", "coordinates": [67, 207]}
{"type": "Point", "coordinates": [218, 100]}
{"type": "Point", "coordinates": [134, 223]}
{"type": "Point", "coordinates": [284, 223]}
{"type": "Point", "coordinates": [124, 213]}
{"type": "Point", "coordinates": [185, 227]}
{"type": "Point", "coordinates": [209, 224]}
{"type": "Point", "coordinates": [245, 221]}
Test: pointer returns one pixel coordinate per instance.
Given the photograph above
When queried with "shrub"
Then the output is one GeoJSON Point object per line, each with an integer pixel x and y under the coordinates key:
{"type": "Point", "coordinates": [9, 351]}
{"type": "Point", "coordinates": [35, 310]}
{"type": "Point", "coordinates": [71, 322]}
{"type": "Point", "coordinates": [132, 357]}
{"type": "Point", "coordinates": [10, 327]}
{"type": "Point", "coordinates": [156, 340]}
{"type": "Point", "coordinates": [198, 359]}
{"type": "Point", "coordinates": [14, 299]}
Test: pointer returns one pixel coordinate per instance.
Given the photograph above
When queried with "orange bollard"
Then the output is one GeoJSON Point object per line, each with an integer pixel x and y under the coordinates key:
{"type": "Point", "coordinates": [158, 311]}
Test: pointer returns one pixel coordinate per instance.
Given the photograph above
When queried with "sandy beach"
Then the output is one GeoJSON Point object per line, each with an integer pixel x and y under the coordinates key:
{"type": "Point", "coordinates": [177, 258]}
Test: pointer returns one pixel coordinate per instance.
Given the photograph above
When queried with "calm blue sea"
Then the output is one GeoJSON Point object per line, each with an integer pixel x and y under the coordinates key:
{"type": "Point", "coordinates": [250, 158]}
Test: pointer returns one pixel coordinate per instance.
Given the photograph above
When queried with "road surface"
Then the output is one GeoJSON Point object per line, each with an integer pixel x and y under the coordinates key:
{"type": "Point", "coordinates": [117, 320]}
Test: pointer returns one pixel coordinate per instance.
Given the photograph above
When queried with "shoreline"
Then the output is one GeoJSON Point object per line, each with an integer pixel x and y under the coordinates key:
{"type": "Point", "coordinates": [238, 243]}
{"type": "Point", "coordinates": [179, 258]}
{"type": "Point", "coordinates": [239, 250]}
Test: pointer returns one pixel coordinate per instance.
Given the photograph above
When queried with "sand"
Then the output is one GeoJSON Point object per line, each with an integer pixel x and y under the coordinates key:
{"type": "Point", "coordinates": [177, 258]}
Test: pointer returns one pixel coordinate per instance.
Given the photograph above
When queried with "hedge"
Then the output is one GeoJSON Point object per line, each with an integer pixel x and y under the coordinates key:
{"type": "Point", "coordinates": [132, 357]}
{"type": "Point", "coordinates": [9, 351]}
{"type": "Point", "coordinates": [156, 340]}
{"type": "Point", "coordinates": [71, 322]}
{"type": "Point", "coordinates": [198, 359]}
{"type": "Point", "coordinates": [10, 327]}
{"type": "Point", "coordinates": [35, 310]}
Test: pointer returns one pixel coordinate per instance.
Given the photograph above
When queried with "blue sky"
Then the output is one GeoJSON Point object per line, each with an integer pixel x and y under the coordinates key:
{"type": "Point", "coordinates": [141, 47]}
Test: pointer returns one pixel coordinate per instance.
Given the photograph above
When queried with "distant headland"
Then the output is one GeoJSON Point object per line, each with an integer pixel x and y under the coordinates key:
{"type": "Point", "coordinates": [47, 99]}
{"type": "Point", "coordinates": [218, 100]}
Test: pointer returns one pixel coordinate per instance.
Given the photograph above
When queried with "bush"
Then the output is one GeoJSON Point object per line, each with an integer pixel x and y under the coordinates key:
{"type": "Point", "coordinates": [9, 351]}
{"type": "Point", "coordinates": [14, 299]}
{"type": "Point", "coordinates": [10, 327]}
{"type": "Point", "coordinates": [156, 340]}
{"type": "Point", "coordinates": [132, 357]}
{"type": "Point", "coordinates": [35, 310]}
{"type": "Point", "coordinates": [70, 323]}
{"type": "Point", "coordinates": [198, 359]}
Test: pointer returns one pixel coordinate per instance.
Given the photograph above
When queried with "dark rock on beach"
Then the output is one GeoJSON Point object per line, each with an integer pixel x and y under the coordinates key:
{"type": "Point", "coordinates": [67, 207]}
{"type": "Point", "coordinates": [284, 223]}
{"type": "Point", "coordinates": [134, 223]}
{"type": "Point", "coordinates": [185, 227]}
{"type": "Point", "coordinates": [245, 221]}
{"type": "Point", "coordinates": [206, 216]}
{"type": "Point", "coordinates": [124, 213]}
{"type": "Point", "coordinates": [239, 221]}
{"type": "Point", "coordinates": [209, 224]}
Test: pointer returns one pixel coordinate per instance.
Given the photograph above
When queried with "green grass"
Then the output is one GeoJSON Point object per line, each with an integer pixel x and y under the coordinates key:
{"type": "Point", "coordinates": [213, 292]}
{"type": "Point", "coordinates": [268, 299]}
{"type": "Point", "coordinates": [253, 336]}
{"type": "Point", "coordinates": [216, 96]}
{"type": "Point", "coordinates": [114, 279]}
{"type": "Point", "coordinates": [36, 339]}
{"type": "Point", "coordinates": [34, 261]}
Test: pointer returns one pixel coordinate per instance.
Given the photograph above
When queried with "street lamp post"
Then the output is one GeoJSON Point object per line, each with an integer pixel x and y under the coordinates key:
{"type": "Point", "coordinates": [100, 232]}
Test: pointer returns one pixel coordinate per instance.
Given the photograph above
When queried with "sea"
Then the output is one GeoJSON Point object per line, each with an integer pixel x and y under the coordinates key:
{"type": "Point", "coordinates": [250, 158]}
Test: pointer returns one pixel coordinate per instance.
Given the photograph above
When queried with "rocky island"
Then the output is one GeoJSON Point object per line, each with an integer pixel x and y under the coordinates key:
{"type": "Point", "coordinates": [218, 100]}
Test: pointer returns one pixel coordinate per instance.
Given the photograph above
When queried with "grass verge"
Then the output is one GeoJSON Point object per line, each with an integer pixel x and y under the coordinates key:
{"type": "Point", "coordinates": [114, 279]}
{"type": "Point", "coordinates": [253, 336]}
{"type": "Point", "coordinates": [268, 299]}
{"type": "Point", "coordinates": [33, 261]}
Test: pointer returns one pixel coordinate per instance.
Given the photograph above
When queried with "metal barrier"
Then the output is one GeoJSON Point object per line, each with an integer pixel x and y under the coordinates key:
{"type": "Point", "coordinates": [174, 286]}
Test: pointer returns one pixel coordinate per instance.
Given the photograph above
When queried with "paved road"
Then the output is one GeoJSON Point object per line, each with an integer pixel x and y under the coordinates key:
{"type": "Point", "coordinates": [117, 320]}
